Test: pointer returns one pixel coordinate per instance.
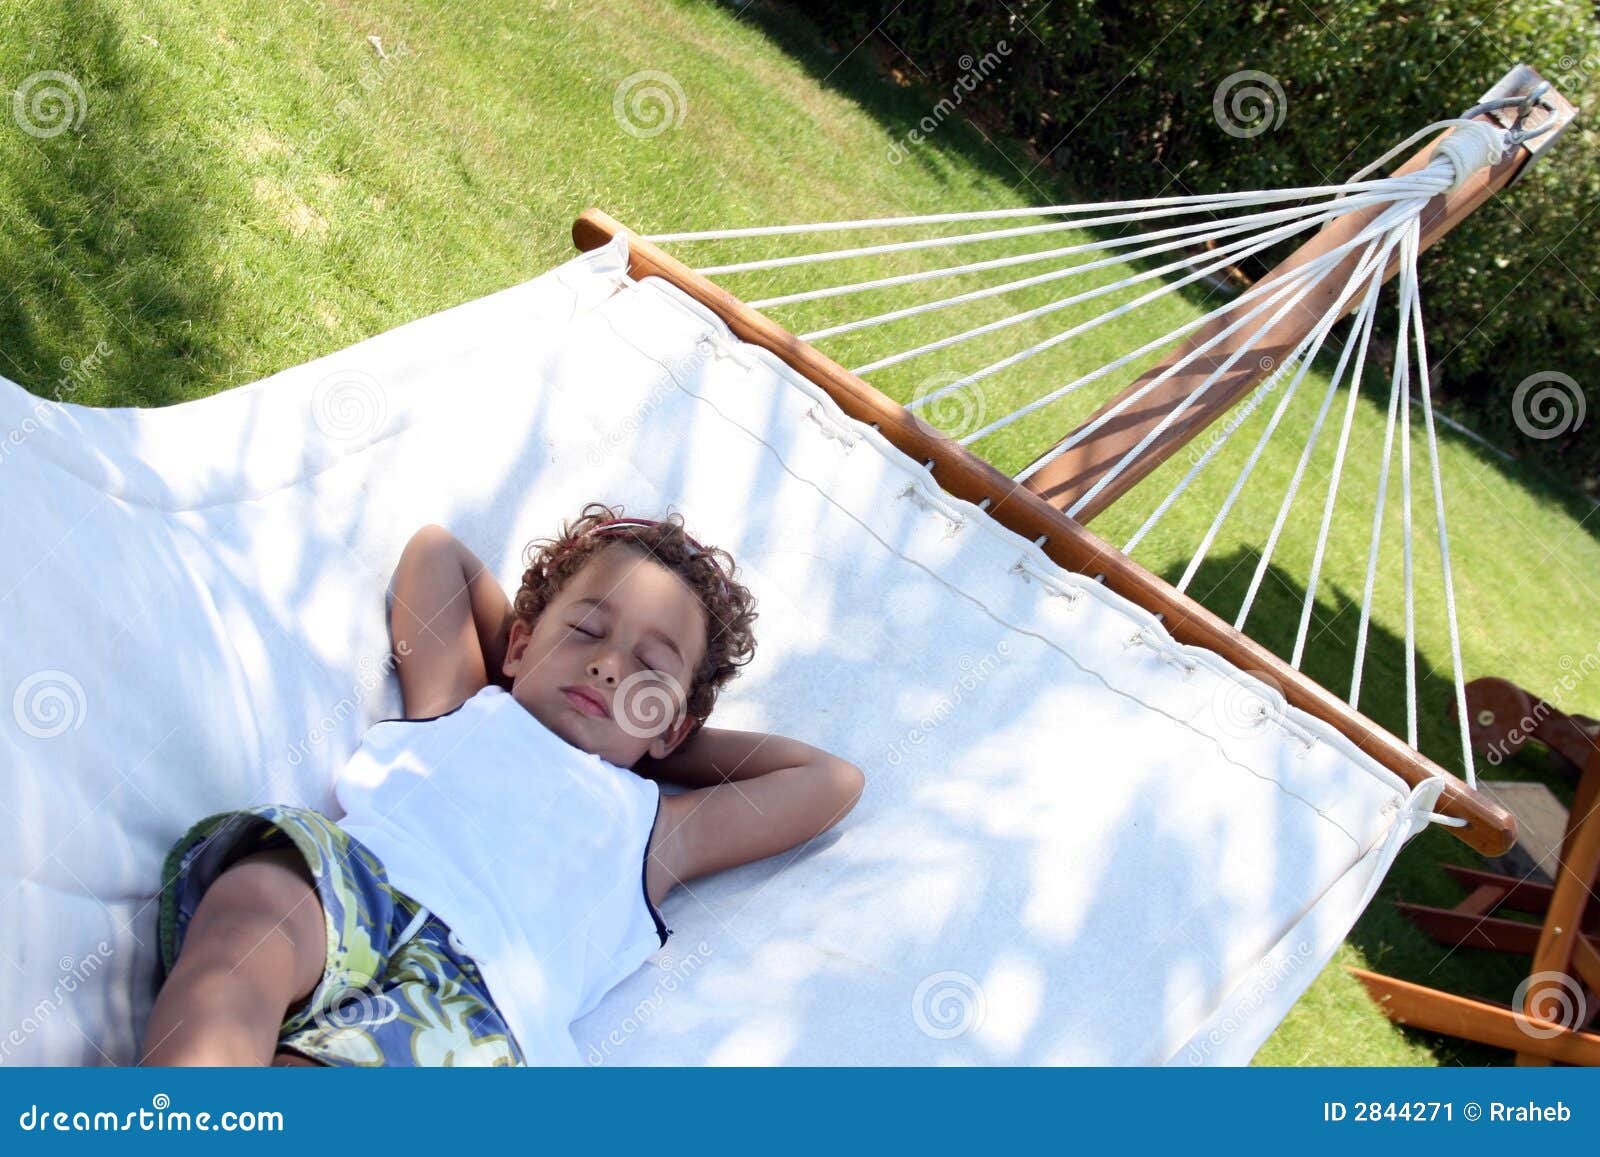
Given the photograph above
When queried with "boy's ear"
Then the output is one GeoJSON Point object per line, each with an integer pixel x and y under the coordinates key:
{"type": "Point", "coordinates": [516, 643]}
{"type": "Point", "coordinates": [670, 740]}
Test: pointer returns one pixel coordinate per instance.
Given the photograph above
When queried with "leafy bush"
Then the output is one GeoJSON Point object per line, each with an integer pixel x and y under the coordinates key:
{"type": "Point", "coordinates": [1120, 99]}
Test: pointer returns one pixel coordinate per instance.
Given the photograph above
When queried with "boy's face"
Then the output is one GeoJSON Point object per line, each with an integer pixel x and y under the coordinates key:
{"type": "Point", "coordinates": [630, 633]}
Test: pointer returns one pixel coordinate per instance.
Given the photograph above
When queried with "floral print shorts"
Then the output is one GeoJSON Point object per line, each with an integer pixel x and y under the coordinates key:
{"type": "Point", "coordinates": [394, 990]}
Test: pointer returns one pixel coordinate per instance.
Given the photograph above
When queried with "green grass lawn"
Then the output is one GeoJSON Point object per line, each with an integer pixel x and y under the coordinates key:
{"type": "Point", "coordinates": [252, 186]}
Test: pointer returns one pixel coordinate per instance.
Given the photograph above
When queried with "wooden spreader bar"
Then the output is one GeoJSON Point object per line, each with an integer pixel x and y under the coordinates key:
{"type": "Point", "coordinates": [1066, 479]}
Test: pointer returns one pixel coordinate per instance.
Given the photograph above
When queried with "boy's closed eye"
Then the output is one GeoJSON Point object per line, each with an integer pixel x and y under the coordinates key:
{"type": "Point", "coordinates": [647, 664]}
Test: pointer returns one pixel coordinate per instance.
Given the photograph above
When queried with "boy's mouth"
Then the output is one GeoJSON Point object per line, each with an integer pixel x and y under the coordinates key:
{"type": "Point", "coordinates": [586, 701]}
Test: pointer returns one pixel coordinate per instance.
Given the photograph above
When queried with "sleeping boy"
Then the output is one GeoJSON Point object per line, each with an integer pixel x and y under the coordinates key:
{"type": "Point", "coordinates": [505, 846]}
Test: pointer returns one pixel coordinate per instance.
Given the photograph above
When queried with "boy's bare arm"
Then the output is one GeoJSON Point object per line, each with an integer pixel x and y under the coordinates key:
{"type": "Point", "coordinates": [786, 793]}
{"type": "Point", "coordinates": [450, 622]}
{"type": "Point", "coordinates": [491, 613]}
{"type": "Point", "coordinates": [721, 826]}
{"type": "Point", "coordinates": [714, 755]}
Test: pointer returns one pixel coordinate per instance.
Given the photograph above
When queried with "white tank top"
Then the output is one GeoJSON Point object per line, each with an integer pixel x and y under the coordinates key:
{"type": "Point", "coordinates": [531, 849]}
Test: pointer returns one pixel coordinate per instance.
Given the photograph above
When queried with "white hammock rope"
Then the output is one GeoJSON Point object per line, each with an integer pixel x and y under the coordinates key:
{"type": "Point", "coordinates": [1275, 291]}
{"type": "Point", "coordinates": [1225, 237]}
{"type": "Point", "coordinates": [1312, 271]}
{"type": "Point", "coordinates": [1456, 670]}
{"type": "Point", "coordinates": [1202, 200]}
{"type": "Point", "coordinates": [1057, 274]}
{"type": "Point", "coordinates": [1261, 445]}
{"type": "Point", "coordinates": [1376, 538]}
{"type": "Point", "coordinates": [1230, 253]}
{"type": "Point", "coordinates": [957, 239]}
{"type": "Point", "coordinates": [1291, 491]}
{"type": "Point", "coordinates": [1026, 258]}
{"type": "Point", "coordinates": [1232, 427]}
{"type": "Point", "coordinates": [1361, 331]}
{"type": "Point", "coordinates": [1194, 395]}
{"type": "Point", "coordinates": [1404, 364]}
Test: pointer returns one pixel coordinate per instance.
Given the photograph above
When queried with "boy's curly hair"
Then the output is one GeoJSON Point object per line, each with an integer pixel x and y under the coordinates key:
{"type": "Point", "coordinates": [730, 607]}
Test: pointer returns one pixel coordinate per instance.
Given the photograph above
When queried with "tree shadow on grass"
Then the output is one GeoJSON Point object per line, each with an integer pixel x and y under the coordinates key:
{"type": "Point", "coordinates": [1534, 473]}
{"type": "Point", "coordinates": [102, 198]}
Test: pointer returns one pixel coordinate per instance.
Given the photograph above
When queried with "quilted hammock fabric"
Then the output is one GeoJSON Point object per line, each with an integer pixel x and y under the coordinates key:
{"type": "Point", "coordinates": [1079, 842]}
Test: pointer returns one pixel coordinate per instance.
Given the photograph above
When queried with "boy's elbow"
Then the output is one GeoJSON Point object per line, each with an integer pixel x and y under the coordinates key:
{"type": "Point", "coordinates": [431, 533]}
{"type": "Point", "coordinates": [849, 782]}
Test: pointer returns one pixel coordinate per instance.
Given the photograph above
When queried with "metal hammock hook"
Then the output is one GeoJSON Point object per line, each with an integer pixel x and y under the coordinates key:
{"type": "Point", "coordinates": [1524, 104]}
{"type": "Point", "coordinates": [1517, 134]}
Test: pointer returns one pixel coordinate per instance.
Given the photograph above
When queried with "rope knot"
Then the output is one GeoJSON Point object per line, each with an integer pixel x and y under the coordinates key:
{"type": "Point", "coordinates": [1472, 145]}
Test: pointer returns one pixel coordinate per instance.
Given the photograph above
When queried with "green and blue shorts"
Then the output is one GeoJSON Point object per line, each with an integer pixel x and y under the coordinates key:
{"type": "Point", "coordinates": [395, 990]}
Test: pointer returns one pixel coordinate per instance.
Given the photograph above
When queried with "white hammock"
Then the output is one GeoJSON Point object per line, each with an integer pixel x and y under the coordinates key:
{"type": "Point", "coordinates": [1081, 841]}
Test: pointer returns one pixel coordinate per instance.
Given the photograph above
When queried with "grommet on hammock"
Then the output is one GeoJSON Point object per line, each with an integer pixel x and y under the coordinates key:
{"type": "Point", "coordinates": [929, 501]}
{"type": "Point", "coordinates": [1050, 582]}
{"type": "Point", "coordinates": [1166, 647]}
{"type": "Point", "coordinates": [831, 429]}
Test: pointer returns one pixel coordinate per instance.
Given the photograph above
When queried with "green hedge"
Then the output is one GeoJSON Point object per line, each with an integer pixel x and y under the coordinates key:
{"type": "Point", "coordinates": [1121, 98]}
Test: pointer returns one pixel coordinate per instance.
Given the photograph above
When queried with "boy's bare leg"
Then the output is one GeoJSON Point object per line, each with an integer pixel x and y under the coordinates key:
{"type": "Point", "coordinates": [257, 945]}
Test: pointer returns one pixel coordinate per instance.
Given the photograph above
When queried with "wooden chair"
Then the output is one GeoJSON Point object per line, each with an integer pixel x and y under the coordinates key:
{"type": "Point", "coordinates": [1503, 718]}
{"type": "Point", "coordinates": [1561, 997]}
